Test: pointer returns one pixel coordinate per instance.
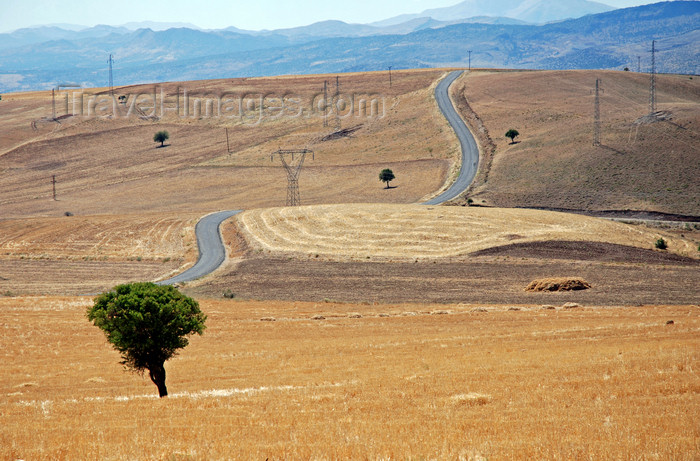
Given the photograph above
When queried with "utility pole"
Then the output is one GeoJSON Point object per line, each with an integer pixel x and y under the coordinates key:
{"type": "Point", "coordinates": [470, 59]}
{"type": "Point", "coordinates": [111, 79]}
{"type": "Point", "coordinates": [652, 90]}
{"type": "Point", "coordinates": [336, 101]}
{"type": "Point", "coordinates": [639, 64]}
{"type": "Point", "coordinates": [228, 147]}
{"type": "Point", "coordinates": [53, 103]}
{"type": "Point", "coordinates": [325, 103]}
{"type": "Point", "coordinates": [596, 114]}
{"type": "Point", "coordinates": [53, 181]}
{"type": "Point", "coordinates": [389, 76]}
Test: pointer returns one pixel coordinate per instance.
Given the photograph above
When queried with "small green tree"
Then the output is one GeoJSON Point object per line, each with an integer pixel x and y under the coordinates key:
{"type": "Point", "coordinates": [661, 244]}
{"type": "Point", "coordinates": [161, 137]}
{"type": "Point", "coordinates": [147, 324]}
{"type": "Point", "coordinates": [512, 134]}
{"type": "Point", "coordinates": [386, 176]}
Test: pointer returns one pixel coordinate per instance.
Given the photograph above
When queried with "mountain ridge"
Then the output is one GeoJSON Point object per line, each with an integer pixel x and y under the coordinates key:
{"type": "Point", "coordinates": [611, 40]}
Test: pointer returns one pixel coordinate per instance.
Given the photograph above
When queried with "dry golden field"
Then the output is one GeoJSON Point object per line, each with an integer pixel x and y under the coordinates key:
{"type": "Point", "coordinates": [107, 164]}
{"type": "Point", "coordinates": [359, 381]}
{"type": "Point", "coordinates": [639, 166]}
{"type": "Point", "coordinates": [436, 352]}
{"type": "Point", "coordinates": [90, 254]}
{"type": "Point", "coordinates": [416, 231]}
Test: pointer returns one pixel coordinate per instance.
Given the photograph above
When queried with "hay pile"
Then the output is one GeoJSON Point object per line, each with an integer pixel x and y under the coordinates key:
{"type": "Point", "coordinates": [558, 284]}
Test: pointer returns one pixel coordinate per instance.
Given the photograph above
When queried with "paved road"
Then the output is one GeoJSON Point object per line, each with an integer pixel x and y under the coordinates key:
{"type": "Point", "coordinates": [211, 249]}
{"type": "Point", "coordinates": [470, 151]}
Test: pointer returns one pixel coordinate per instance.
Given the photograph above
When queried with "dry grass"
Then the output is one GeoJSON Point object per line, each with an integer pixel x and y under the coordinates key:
{"type": "Point", "coordinates": [111, 166]}
{"type": "Point", "coordinates": [414, 231]}
{"type": "Point", "coordinates": [476, 383]}
{"type": "Point", "coordinates": [554, 164]}
{"type": "Point", "coordinates": [77, 254]}
{"type": "Point", "coordinates": [99, 237]}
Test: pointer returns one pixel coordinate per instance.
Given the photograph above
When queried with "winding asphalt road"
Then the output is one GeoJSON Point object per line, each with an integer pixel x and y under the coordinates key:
{"type": "Point", "coordinates": [470, 151]}
{"type": "Point", "coordinates": [211, 249]}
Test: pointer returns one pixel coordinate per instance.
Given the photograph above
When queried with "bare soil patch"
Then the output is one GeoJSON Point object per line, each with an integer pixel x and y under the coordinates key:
{"type": "Point", "coordinates": [586, 251]}
{"type": "Point", "coordinates": [492, 279]}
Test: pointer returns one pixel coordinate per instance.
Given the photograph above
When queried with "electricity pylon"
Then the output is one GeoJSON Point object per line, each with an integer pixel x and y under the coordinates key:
{"type": "Point", "coordinates": [293, 169]}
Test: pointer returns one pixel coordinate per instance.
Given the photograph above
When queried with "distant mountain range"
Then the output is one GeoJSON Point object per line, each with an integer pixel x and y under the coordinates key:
{"type": "Point", "coordinates": [532, 11]}
{"type": "Point", "coordinates": [42, 57]}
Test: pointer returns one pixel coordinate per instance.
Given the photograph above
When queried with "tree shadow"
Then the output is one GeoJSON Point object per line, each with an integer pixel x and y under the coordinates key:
{"type": "Point", "coordinates": [164, 145]}
{"type": "Point", "coordinates": [390, 187]}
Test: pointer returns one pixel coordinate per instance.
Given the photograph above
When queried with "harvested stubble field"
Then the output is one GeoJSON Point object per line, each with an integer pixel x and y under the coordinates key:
{"type": "Point", "coordinates": [416, 231]}
{"type": "Point", "coordinates": [359, 382]}
{"type": "Point", "coordinates": [411, 253]}
{"type": "Point", "coordinates": [78, 254]}
{"type": "Point", "coordinates": [639, 166]}
{"type": "Point", "coordinates": [106, 164]}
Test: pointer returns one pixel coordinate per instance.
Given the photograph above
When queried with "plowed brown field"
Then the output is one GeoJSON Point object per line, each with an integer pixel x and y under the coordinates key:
{"type": "Point", "coordinates": [638, 166]}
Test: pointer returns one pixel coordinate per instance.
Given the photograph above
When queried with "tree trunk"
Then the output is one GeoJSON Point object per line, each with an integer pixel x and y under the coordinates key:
{"type": "Point", "coordinates": [157, 373]}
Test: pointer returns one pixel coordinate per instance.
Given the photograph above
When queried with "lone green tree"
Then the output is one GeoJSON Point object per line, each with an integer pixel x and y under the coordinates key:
{"type": "Point", "coordinates": [512, 134]}
{"type": "Point", "coordinates": [147, 324]}
{"type": "Point", "coordinates": [161, 137]}
{"type": "Point", "coordinates": [386, 176]}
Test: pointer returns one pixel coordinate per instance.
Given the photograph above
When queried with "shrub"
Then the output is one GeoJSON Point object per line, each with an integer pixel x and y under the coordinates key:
{"type": "Point", "coordinates": [228, 294]}
{"type": "Point", "coordinates": [661, 244]}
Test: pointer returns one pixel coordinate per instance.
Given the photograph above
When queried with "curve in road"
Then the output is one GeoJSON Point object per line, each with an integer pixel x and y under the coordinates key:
{"type": "Point", "coordinates": [470, 151]}
{"type": "Point", "coordinates": [211, 248]}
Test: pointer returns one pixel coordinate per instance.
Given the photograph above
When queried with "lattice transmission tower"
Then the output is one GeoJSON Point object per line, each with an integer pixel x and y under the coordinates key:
{"type": "Point", "coordinates": [293, 169]}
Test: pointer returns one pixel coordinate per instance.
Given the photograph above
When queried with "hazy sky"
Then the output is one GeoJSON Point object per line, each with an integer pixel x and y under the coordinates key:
{"type": "Point", "coordinates": [217, 14]}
